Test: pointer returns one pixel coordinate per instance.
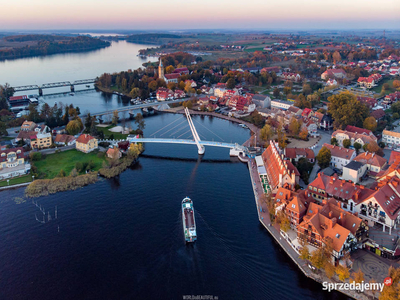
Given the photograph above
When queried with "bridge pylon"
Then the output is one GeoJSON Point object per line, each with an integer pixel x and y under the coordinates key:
{"type": "Point", "coordinates": [200, 147]}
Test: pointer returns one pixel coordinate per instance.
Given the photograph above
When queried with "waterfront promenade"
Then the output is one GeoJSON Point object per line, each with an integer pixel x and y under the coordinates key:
{"type": "Point", "coordinates": [264, 218]}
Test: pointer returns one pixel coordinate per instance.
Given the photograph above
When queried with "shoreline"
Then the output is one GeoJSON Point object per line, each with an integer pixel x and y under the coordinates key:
{"type": "Point", "coordinates": [263, 217]}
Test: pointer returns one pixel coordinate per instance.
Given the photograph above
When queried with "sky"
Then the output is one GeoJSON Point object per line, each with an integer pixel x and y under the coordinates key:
{"type": "Point", "coordinates": [205, 14]}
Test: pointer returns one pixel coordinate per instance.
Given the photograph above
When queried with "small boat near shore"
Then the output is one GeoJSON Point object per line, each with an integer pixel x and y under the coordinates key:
{"type": "Point", "coordinates": [188, 220]}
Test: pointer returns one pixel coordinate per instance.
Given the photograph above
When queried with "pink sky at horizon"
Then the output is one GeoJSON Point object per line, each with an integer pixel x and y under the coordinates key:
{"type": "Point", "coordinates": [208, 14]}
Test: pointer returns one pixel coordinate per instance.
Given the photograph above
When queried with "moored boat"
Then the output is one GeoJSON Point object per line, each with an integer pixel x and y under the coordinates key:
{"type": "Point", "coordinates": [189, 223]}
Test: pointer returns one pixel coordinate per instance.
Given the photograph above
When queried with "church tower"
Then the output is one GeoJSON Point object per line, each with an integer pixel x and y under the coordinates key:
{"type": "Point", "coordinates": [160, 70]}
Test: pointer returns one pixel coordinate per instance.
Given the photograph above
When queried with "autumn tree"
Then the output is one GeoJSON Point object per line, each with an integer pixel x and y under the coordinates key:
{"type": "Point", "coordinates": [336, 57]}
{"type": "Point", "coordinates": [317, 258]}
{"type": "Point", "coordinates": [294, 126]}
{"type": "Point", "coordinates": [396, 84]}
{"type": "Point", "coordinates": [374, 148]}
{"type": "Point", "coordinates": [115, 117]}
{"type": "Point", "coordinates": [169, 69]}
{"type": "Point", "coordinates": [346, 143]}
{"type": "Point", "coordinates": [304, 253]}
{"type": "Point", "coordinates": [303, 133]}
{"type": "Point", "coordinates": [358, 276]}
{"type": "Point", "coordinates": [281, 136]}
{"type": "Point", "coordinates": [140, 122]}
{"type": "Point", "coordinates": [324, 157]}
{"type": "Point", "coordinates": [342, 272]}
{"type": "Point", "coordinates": [266, 132]}
{"type": "Point", "coordinates": [283, 221]}
{"type": "Point", "coordinates": [345, 109]}
{"type": "Point", "coordinates": [307, 89]}
{"type": "Point", "coordinates": [73, 127]}
{"type": "Point", "coordinates": [370, 123]}
{"type": "Point", "coordinates": [329, 269]}
{"type": "Point", "coordinates": [113, 156]}
{"type": "Point", "coordinates": [392, 291]}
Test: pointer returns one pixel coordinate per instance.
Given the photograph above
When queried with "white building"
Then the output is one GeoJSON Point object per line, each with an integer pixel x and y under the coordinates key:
{"type": "Point", "coordinates": [281, 104]}
{"type": "Point", "coordinates": [340, 156]}
{"type": "Point", "coordinates": [353, 171]}
{"type": "Point", "coordinates": [391, 138]}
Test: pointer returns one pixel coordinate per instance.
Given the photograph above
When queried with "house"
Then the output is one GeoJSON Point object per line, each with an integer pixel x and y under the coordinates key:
{"type": "Point", "coordinates": [323, 121]}
{"type": "Point", "coordinates": [393, 97]}
{"type": "Point", "coordinates": [294, 154]}
{"type": "Point", "coordinates": [111, 152]}
{"type": "Point", "coordinates": [307, 113]}
{"type": "Point", "coordinates": [383, 206]}
{"type": "Point", "coordinates": [207, 90]}
{"type": "Point", "coordinates": [241, 103]}
{"type": "Point", "coordinates": [367, 82]}
{"type": "Point", "coordinates": [181, 71]}
{"type": "Point", "coordinates": [173, 77]}
{"type": "Point", "coordinates": [361, 138]}
{"type": "Point", "coordinates": [393, 156]}
{"type": "Point", "coordinates": [86, 143]}
{"type": "Point", "coordinates": [164, 94]}
{"type": "Point", "coordinates": [355, 129]}
{"type": "Point", "coordinates": [340, 156]}
{"type": "Point", "coordinates": [270, 69]}
{"type": "Point", "coordinates": [192, 83]}
{"type": "Point", "coordinates": [28, 126]}
{"type": "Point", "coordinates": [348, 193]}
{"type": "Point", "coordinates": [374, 163]}
{"type": "Point", "coordinates": [312, 128]}
{"type": "Point", "coordinates": [41, 140]}
{"type": "Point", "coordinates": [347, 232]}
{"type": "Point", "coordinates": [354, 171]}
{"type": "Point", "coordinates": [281, 104]}
{"type": "Point", "coordinates": [333, 73]}
{"type": "Point", "coordinates": [203, 100]}
{"type": "Point", "coordinates": [378, 114]}
{"type": "Point", "coordinates": [179, 94]}
{"type": "Point", "coordinates": [295, 210]}
{"type": "Point", "coordinates": [64, 139]}
{"type": "Point", "coordinates": [291, 76]}
{"type": "Point", "coordinates": [280, 172]}
{"type": "Point", "coordinates": [331, 82]}
{"type": "Point", "coordinates": [391, 138]}
{"type": "Point", "coordinates": [59, 130]}
{"type": "Point", "coordinates": [12, 163]}
{"type": "Point", "coordinates": [262, 101]}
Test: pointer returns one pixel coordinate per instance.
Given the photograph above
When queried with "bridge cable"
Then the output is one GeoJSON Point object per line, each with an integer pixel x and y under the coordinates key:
{"type": "Point", "coordinates": [164, 127]}
{"type": "Point", "coordinates": [175, 132]}
{"type": "Point", "coordinates": [173, 128]}
{"type": "Point", "coordinates": [183, 134]}
{"type": "Point", "coordinates": [209, 130]}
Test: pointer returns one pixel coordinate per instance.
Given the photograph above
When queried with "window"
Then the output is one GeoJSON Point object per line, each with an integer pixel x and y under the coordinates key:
{"type": "Point", "coordinates": [293, 206]}
{"type": "Point", "coordinates": [337, 235]}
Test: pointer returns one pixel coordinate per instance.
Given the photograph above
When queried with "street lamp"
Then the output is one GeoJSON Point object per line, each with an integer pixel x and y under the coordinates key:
{"type": "Point", "coordinates": [33, 177]}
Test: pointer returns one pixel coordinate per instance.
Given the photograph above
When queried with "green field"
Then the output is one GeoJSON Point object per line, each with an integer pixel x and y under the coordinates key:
{"type": "Point", "coordinates": [378, 88]}
{"type": "Point", "coordinates": [52, 164]}
{"type": "Point", "coordinates": [108, 133]}
{"type": "Point", "coordinates": [18, 180]}
{"type": "Point", "coordinates": [254, 49]}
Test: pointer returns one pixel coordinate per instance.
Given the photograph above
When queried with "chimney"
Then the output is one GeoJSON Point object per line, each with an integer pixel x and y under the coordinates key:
{"type": "Point", "coordinates": [330, 215]}
{"type": "Point", "coordinates": [324, 202]}
{"type": "Point", "coordinates": [332, 222]}
{"type": "Point", "coordinates": [338, 204]}
{"type": "Point", "coordinates": [341, 216]}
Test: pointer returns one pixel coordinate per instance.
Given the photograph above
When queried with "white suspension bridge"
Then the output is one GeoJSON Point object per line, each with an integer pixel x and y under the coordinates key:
{"type": "Point", "coordinates": [235, 149]}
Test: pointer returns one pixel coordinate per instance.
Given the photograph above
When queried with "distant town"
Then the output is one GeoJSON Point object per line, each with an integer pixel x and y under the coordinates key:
{"type": "Point", "coordinates": [324, 152]}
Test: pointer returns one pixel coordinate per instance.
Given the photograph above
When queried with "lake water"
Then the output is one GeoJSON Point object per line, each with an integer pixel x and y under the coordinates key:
{"type": "Point", "coordinates": [122, 238]}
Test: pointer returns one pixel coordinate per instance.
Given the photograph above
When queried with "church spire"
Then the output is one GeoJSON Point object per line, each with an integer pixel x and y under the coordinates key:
{"type": "Point", "coordinates": [160, 70]}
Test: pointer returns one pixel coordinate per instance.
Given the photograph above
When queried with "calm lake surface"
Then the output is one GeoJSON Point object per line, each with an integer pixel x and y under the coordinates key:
{"type": "Point", "coordinates": [122, 238]}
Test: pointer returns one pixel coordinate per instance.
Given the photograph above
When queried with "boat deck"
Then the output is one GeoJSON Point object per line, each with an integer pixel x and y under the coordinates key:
{"type": "Point", "coordinates": [189, 220]}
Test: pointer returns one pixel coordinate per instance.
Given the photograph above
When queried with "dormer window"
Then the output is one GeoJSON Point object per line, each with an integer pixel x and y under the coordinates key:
{"type": "Point", "coordinates": [337, 235]}
{"type": "Point", "coordinates": [293, 206]}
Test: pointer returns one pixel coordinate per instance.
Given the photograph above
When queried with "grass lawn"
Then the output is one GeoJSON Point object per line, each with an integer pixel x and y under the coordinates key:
{"type": "Point", "coordinates": [6, 138]}
{"type": "Point", "coordinates": [18, 180]}
{"type": "Point", "coordinates": [378, 88]}
{"type": "Point", "coordinates": [254, 49]}
{"type": "Point", "coordinates": [51, 165]}
{"type": "Point", "coordinates": [107, 133]}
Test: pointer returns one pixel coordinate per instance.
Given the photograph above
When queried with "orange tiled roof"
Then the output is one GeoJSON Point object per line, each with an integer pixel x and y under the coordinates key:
{"type": "Point", "coordinates": [371, 159]}
{"type": "Point", "coordinates": [84, 138]}
{"type": "Point", "coordinates": [339, 151]}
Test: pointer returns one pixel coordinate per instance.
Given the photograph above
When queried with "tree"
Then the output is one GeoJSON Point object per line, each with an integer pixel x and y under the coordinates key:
{"type": "Point", "coordinates": [342, 272]}
{"type": "Point", "coordinates": [3, 129]}
{"type": "Point", "coordinates": [358, 276]}
{"type": "Point", "coordinates": [73, 127]}
{"type": "Point", "coordinates": [276, 93]}
{"type": "Point", "coordinates": [169, 69]}
{"type": "Point", "coordinates": [345, 109]}
{"type": "Point", "coordinates": [374, 148]}
{"type": "Point", "coordinates": [79, 167]}
{"type": "Point", "coordinates": [357, 146]}
{"type": "Point", "coordinates": [392, 291]}
{"type": "Point", "coordinates": [230, 84]}
{"type": "Point", "coordinates": [281, 136]}
{"type": "Point", "coordinates": [73, 173]}
{"type": "Point", "coordinates": [307, 89]}
{"type": "Point", "coordinates": [317, 258]}
{"type": "Point", "coordinates": [304, 253]}
{"type": "Point", "coordinates": [303, 133]}
{"type": "Point", "coordinates": [395, 107]}
{"type": "Point", "coordinates": [324, 157]}
{"type": "Point", "coordinates": [334, 142]}
{"type": "Point", "coordinates": [287, 90]}
{"type": "Point", "coordinates": [135, 92]}
{"type": "Point", "coordinates": [336, 57]}
{"type": "Point", "coordinates": [396, 116]}
{"type": "Point", "coordinates": [329, 269]}
{"type": "Point", "coordinates": [304, 167]}
{"type": "Point", "coordinates": [396, 84]}
{"type": "Point", "coordinates": [346, 143]}
{"type": "Point", "coordinates": [115, 117]}
{"type": "Point", "coordinates": [266, 132]}
{"type": "Point", "coordinates": [294, 126]}
{"type": "Point", "coordinates": [370, 123]}
{"type": "Point", "coordinates": [256, 118]}
{"type": "Point", "coordinates": [140, 122]}
{"type": "Point", "coordinates": [284, 221]}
